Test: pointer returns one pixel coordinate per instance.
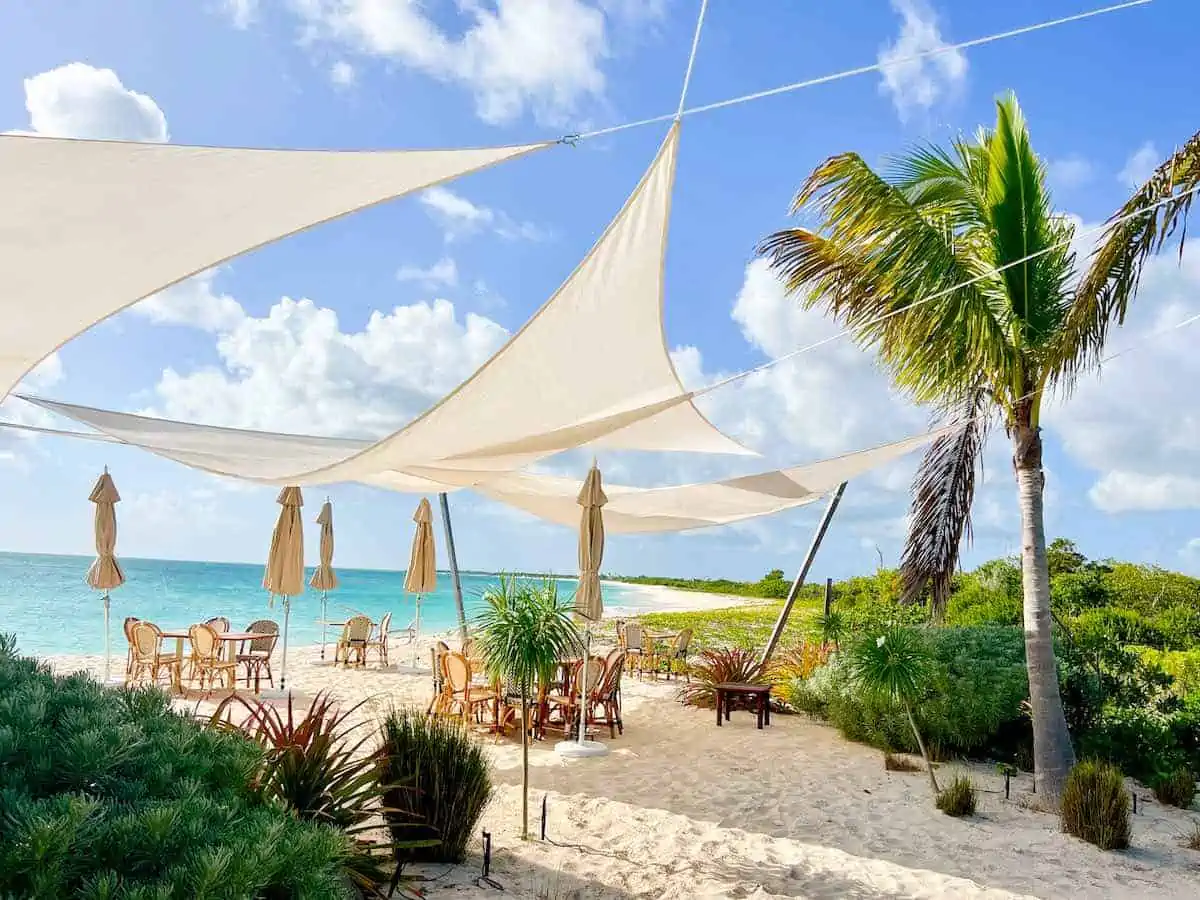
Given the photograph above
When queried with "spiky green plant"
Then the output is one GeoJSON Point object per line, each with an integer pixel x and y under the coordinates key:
{"type": "Point", "coordinates": [321, 765]}
{"type": "Point", "coordinates": [522, 633]}
{"type": "Point", "coordinates": [895, 664]}
{"type": "Point", "coordinates": [960, 798]}
{"type": "Point", "coordinates": [110, 793]}
{"type": "Point", "coordinates": [830, 628]}
{"type": "Point", "coordinates": [718, 667]}
{"type": "Point", "coordinates": [1095, 805]}
{"type": "Point", "coordinates": [443, 782]}
{"type": "Point", "coordinates": [955, 269]}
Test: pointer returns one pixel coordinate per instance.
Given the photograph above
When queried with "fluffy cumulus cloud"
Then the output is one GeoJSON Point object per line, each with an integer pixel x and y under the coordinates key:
{"type": "Point", "coordinates": [1131, 424]}
{"type": "Point", "coordinates": [241, 13]}
{"type": "Point", "coordinates": [192, 302]}
{"type": "Point", "coordinates": [81, 101]}
{"type": "Point", "coordinates": [514, 56]}
{"type": "Point", "coordinates": [916, 85]}
{"type": "Point", "coordinates": [443, 273]}
{"type": "Point", "coordinates": [1070, 172]}
{"type": "Point", "coordinates": [295, 369]}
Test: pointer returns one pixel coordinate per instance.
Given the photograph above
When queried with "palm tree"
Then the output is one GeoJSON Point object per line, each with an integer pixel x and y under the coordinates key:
{"type": "Point", "coordinates": [1148, 220]}
{"type": "Point", "coordinates": [524, 630]}
{"type": "Point", "coordinates": [894, 665]}
{"type": "Point", "coordinates": [955, 269]}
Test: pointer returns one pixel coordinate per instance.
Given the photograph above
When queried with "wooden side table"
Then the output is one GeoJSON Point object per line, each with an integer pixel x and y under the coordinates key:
{"type": "Point", "coordinates": [759, 693]}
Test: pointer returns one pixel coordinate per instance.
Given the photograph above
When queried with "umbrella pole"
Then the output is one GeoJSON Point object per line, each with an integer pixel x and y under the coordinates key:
{"type": "Point", "coordinates": [287, 610]}
{"type": "Point", "coordinates": [587, 654]}
{"type": "Point", "coordinates": [107, 642]}
{"type": "Point", "coordinates": [324, 616]}
{"type": "Point", "coordinates": [416, 631]}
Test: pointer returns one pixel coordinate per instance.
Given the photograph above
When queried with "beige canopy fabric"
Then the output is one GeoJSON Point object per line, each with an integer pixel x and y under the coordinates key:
{"type": "Point", "coordinates": [284, 575]}
{"type": "Point", "coordinates": [91, 227]}
{"type": "Point", "coordinates": [594, 355]}
{"type": "Point", "coordinates": [105, 572]}
{"type": "Point", "coordinates": [323, 577]}
{"type": "Point", "coordinates": [635, 510]}
{"type": "Point", "coordinates": [589, 603]}
{"type": "Point", "coordinates": [421, 577]}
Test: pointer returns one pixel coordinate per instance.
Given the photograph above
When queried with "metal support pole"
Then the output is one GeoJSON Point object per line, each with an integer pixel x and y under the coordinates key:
{"type": "Point", "coordinates": [458, 597]}
{"type": "Point", "coordinates": [777, 633]}
{"type": "Point", "coordinates": [828, 596]}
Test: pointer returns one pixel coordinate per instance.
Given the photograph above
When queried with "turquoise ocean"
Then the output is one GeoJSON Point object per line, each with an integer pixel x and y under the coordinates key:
{"type": "Point", "coordinates": [45, 602]}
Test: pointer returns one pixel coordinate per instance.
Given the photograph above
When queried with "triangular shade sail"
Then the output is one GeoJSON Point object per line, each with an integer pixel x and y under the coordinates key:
{"type": "Point", "coordinates": [91, 227]}
{"type": "Point", "coordinates": [634, 510]}
{"type": "Point", "coordinates": [594, 357]}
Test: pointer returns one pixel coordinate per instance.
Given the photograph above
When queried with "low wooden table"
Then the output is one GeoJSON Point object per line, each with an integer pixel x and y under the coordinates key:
{"type": "Point", "coordinates": [760, 693]}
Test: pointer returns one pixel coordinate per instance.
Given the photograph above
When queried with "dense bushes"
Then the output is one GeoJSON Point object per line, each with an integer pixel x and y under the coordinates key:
{"type": "Point", "coordinates": [971, 699]}
{"type": "Point", "coordinates": [1176, 788]}
{"type": "Point", "coordinates": [112, 794]}
{"type": "Point", "coordinates": [1095, 805]}
{"type": "Point", "coordinates": [441, 781]}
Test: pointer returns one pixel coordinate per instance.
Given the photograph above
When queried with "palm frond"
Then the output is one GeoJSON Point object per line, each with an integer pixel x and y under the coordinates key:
{"type": "Point", "coordinates": [1139, 230]}
{"type": "Point", "coordinates": [943, 491]}
{"type": "Point", "coordinates": [893, 272]}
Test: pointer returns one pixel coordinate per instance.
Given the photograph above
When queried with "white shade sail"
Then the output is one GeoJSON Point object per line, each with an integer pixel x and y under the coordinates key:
{"type": "Point", "coordinates": [635, 510]}
{"type": "Point", "coordinates": [594, 355]}
{"type": "Point", "coordinates": [91, 227]}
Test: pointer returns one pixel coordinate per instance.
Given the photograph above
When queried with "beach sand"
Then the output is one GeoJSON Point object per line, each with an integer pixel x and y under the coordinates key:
{"type": "Point", "coordinates": [682, 809]}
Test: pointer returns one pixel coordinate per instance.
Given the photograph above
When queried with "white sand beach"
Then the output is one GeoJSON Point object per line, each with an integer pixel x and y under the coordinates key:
{"type": "Point", "coordinates": [682, 809]}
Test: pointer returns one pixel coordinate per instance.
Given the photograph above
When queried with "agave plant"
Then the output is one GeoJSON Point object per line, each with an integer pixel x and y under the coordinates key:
{"type": "Point", "coordinates": [717, 667]}
{"type": "Point", "coordinates": [317, 765]}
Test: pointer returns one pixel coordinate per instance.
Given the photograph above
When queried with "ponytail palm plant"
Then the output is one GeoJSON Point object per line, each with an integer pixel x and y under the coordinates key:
{"type": "Point", "coordinates": [523, 632]}
{"type": "Point", "coordinates": [953, 267]}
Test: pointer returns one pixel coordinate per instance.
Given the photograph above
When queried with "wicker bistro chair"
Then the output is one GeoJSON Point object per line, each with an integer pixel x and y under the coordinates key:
{"type": "Point", "coordinates": [129, 623]}
{"type": "Point", "coordinates": [678, 653]}
{"type": "Point", "coordinates": [208, 662]}
{"type": "Point", "coordinates": [567, 704]}
{"type": "Point", "coordinates": [437, 655]}
{"type": "Point", "coordinates": [219, 624]}
{"type": "Point", "coordinates": [379, 641]}
{"type": "Point", "coordinates": [606, 698]}
{"type": "Point", "coordinates": [462, 696]}
{"type": "Point", "coordinates": [255, 654]}
{"type": "Point", "coordinates": [148, 658]}
{"type": "Point", "coordinates": [634, 644]}
{"type": "Point", "coordinates": [355, 634]}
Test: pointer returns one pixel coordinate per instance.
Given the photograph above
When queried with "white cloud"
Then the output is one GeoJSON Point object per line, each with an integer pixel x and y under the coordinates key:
{"type": "Point", "coordinates": [443, 273]}
{"type": "Point", "coordinates": [342, 74]}
{"type": "Point", "coordinates": [1140, 166]}
{"type": "Point", "coordinates": [294, 369]}
{"type": "Point", "coordinates": [459, 217]}
{"type": "Point", "coordinates": [919, 84]}
{"type": "Point", "coordinates": [1191, 551]}
{"type": "Point", "coordinates": [541, 56]}
{"type": "Point", "coordinates": [1070, 172]}
{"type": "Point", "coordinates": [241, 13]}
{"type": "Point", "coordinates": [1132, 423]}
{"type": "Point", "coordinates": [81, 101]}
{"type": "Point", "coordinates": [194, 303]}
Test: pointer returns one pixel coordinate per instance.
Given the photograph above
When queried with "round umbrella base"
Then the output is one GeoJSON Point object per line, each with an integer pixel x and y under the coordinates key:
{"type": "Point", "coordinates": [580, 750]}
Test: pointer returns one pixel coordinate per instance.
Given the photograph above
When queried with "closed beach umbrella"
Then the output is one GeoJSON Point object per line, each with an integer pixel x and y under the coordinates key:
{"type": "Point", "coordinates": [105, 573]}
{"type": "Point", "coordinates": [589, 605]}
{"type": "Point", "coordinates": [588, 602]}
{"type": "Point", "coordinates": [284, 575]}
{"type": "Point", "coordinates": [421, 577]}
{"type": "Point", "coordinates": [324, 578]}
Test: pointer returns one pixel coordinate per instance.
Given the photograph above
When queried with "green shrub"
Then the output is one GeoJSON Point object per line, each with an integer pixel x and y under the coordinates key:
{"type": "Point", "coordinates": [1177, 788]}
{"type": "Point", "coordinates": [971, 697]}
{"type": "Point", "coordinates": [1095, 805]}
{"type": "Point", "coordinates": [715, 667]}
{"type": "Point", "coordinates": [442, 781]}
{"type": "Point", "coordinates": [1182, 665]}
{"type": "Point", "coordinates": [959, 798]}
{"type": "Point", "coordinates": [1111, 625]}
{"type": "Point", "coordinates": [1138, 741]}
{"type": "Point", "coordinates": [110, 793]}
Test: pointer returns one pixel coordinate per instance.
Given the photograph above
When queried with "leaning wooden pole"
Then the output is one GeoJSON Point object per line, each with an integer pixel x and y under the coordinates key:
{"type": "Point", "coordinates": [781, 622]}
{"type": "Point", "coordinates": [453, 557]}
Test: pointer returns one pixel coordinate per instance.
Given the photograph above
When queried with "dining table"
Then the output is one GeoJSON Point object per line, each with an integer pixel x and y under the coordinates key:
{"type": "Point", "coordinates": [228, 643]}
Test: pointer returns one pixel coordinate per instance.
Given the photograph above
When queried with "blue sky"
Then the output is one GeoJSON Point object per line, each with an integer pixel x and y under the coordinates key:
{"type": "Point", "coordinates": [1103, 98]}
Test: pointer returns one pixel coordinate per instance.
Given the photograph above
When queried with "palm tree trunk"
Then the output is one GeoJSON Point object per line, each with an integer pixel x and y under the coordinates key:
{"type": "Point", "coordinates": [524, 764]}
{"type": "Point", "coordinates": [1053, 754]}
{"type": "Point", "coordinates": [921, 746]}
